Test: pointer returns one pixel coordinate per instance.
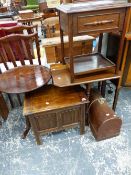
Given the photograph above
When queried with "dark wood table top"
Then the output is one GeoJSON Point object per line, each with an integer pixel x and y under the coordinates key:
{"type": "Point", "coordinates": [50, 98]}
{"type": "Point", "coordinates": [24, 79]}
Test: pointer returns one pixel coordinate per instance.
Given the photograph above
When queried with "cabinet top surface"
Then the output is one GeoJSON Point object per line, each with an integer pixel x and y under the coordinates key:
{"type": "Point", "coordinates": [92, 6]}
{"type": "Point", "coordinates": [52, 98]}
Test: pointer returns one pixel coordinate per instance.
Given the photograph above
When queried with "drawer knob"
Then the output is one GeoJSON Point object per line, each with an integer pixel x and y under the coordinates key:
{"type": "Point", "coordinates": [96, 23]}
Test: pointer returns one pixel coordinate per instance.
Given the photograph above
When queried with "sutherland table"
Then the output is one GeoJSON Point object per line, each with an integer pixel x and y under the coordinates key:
{"type": "Point", "coordinates": [92, 18]}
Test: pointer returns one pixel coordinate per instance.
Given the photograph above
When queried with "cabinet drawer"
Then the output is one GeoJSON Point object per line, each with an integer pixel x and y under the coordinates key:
{"type": "Point", "coordinates": [100, 22]}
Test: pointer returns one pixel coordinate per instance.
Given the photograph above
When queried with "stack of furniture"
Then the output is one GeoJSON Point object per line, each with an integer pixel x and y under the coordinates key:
{"type": "Point", "coordinates": [65, 104]}
{"type": "Point", "coordinates": [51, 27]}
{"type": "Point", "coordinates": [87, 19]}
{"type": "Point", "coordinates": [49, 12]}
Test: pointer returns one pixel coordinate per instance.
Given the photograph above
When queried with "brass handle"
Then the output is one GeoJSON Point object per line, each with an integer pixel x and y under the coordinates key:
{"type": "Point", "coordinates": [99, 23]}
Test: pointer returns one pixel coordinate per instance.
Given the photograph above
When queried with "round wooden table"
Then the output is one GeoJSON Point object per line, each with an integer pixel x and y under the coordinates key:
{"type": "Point", "coordinates": [24, 79]}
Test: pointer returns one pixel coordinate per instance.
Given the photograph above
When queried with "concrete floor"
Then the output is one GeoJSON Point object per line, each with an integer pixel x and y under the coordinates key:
{"type": "Point", "coordinates": [66, 153]}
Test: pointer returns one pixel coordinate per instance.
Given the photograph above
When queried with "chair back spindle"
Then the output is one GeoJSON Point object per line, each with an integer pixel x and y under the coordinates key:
{"type": "Point", "coordinates": [18, 47]}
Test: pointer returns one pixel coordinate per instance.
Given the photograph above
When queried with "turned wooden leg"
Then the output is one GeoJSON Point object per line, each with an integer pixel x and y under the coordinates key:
{"type": "Point", "coordinates": [82, 120]}
{"type": "Point", "coordinates": [35, 130]}
{"type": "Point", "coordinates": [100, 42]}
{"type": "Point", "coordinates": [88, 88]}
{"type": "Point", "coordinates": [103, 88]}
{"type": "Point", "coordinates": [0, 124]}
{"type": "Point", "coordinates": [116, 94]}
{"type": "Point", "coordinates": [27, 128]}
{"type": "Point", "coordinates": [99, 85]}
{"type": "Point", "coordinates": [19, 100]}
{"type": "Point", "coordinates": [62, 43]}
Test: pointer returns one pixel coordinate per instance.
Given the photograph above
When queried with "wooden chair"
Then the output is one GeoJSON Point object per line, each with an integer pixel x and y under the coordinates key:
{"type": "Point", "coordinates": [49, 12]}
{"type": "Point", "coordinates": [18, 45]}
{"type": "Point", "coordinates": [31, 20]}
{"type": "Point", "coordinates": [51, 27]}
{"type": "Point", "coordinates": [20, 29]}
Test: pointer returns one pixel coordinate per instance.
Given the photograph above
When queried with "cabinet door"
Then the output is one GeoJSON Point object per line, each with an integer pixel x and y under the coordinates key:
{"type": "Point", "coordinates": [70, 117]}
{"type": "Point", "coordinates": [46, 121]}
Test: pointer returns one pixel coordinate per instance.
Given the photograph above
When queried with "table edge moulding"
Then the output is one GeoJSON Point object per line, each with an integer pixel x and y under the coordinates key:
{"type": "Point", "coordinates": [24, 78]}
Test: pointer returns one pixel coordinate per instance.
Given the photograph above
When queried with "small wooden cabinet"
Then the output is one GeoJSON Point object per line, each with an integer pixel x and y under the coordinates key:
{"type": "Point", "coordinates": [53, 109]}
